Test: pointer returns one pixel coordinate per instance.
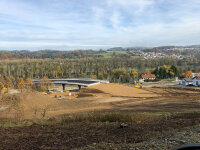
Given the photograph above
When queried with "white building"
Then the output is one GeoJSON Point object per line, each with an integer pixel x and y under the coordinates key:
{"type": "Point", "coordinates": [187, 81]}
{"type": "Point", "coordinates": [196, 81]}
{"type": "Point", "coordinates": [195, 74]}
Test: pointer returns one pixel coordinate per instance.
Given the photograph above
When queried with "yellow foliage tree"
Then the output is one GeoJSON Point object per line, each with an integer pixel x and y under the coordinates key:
{"type": "Point", "coordinates": [8, 82]}
{"type": "Point", "coordinates": [29, 83]}
{"type": "Point", "coordinates": [93, 76]}
{"type": "Point", "coordinates": [1, 86]}
{"type": "Point", "coordinates": [59, 70]}
{"type": "Point", "coordinates": [133, 73]}
{"type": "Point", "coordinates": [2, 80]}
{"type": "Point", "coordinates": [20, 83]}
{"type": "Point", "coordinates": [148, 72]}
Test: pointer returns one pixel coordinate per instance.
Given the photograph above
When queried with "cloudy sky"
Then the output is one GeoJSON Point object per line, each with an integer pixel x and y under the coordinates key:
{"type": "Point", "coordinates": [94, 24]}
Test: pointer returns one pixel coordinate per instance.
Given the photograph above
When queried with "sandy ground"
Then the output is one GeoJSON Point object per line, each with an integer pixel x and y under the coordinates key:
{"type": "Point", "coordinates": [102, 97]}
{"type": "Point", "coordinates": [122, 90]}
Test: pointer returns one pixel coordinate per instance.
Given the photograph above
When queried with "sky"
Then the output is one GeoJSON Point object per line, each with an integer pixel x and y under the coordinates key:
{"type": "Point", "coordinates": [97, 24]}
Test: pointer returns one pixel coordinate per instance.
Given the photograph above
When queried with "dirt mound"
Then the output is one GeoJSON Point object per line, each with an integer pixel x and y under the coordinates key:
{"type": "Point", "coordinates": [122, 90]}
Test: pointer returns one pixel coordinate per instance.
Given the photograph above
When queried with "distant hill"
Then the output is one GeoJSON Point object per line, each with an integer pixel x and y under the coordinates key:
{"type": "Point", "coordinates": [192, 46]}
{"type": "Point", "coordinates": [116, 49]}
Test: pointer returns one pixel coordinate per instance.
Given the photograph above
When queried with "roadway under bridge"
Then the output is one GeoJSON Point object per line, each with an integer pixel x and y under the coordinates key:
{"type": "Point", "coordinates": [75, 81]}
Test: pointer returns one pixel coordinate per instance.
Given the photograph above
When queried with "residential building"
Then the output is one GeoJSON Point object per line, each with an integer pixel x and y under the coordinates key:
{"type": "Point", "coordinates": [196, 81]}
{"type": "Point", "coordinates": [187, 81]}
{"type": "Point", "coordinates": [148, 77]}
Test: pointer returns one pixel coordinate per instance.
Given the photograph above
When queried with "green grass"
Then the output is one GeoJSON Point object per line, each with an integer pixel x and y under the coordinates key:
{"type": "Point", "coordinates": [108, 54]}
{"type": "Point", "coordinates": [135, 57]}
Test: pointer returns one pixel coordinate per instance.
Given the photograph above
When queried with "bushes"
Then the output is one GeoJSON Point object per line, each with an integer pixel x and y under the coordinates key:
{"type": "Point", "coordinates": [111, 117]}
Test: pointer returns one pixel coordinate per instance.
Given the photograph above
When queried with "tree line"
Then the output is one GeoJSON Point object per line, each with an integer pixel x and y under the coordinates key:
{"type": "Point", "coordinates": [100, 68]}
{"type": "Point", "coordinates": [113, 69]}
{"type": "Point", "coordinates": [20, 83]}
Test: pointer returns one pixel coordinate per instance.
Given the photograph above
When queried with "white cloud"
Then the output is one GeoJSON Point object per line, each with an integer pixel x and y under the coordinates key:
{"type": "Point", "coordinates": [115, 19]}
{"type": "Point", "coordinates": [134, 6]}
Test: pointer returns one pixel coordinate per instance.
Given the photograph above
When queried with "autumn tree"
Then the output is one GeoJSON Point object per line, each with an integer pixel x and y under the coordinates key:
{"type": "Point", "coordinates": [188, 74]}
{"type": "Point", "coordinates": [59, 71]}
{"type": "Point", "coordinates": [45, 83]}
{"type": "Point", "coordinates": [1, 86]}
{"type": "Point", "coordinates": [100, 76]}
{"type": "Point", "coordinates": [133, 73]}
{"type": "Point", "coordinates": [93, 76]}
{"type": "Point", "coordinates": [2, 80]}
{"type": "Point", "coordinates": [20, 83]}
{"type": "Point", "coordinates": [118, 74]}
{"type": "Point", "coordinates": [29, 83]}
{"type": "Point", "coordinates": [148, 72]}
{"type": "Point", "coordinates": [8, 83]}
{"type": "Point", "coordinates": [165, 71]}
{"type": "Point", "coordinates": [175, 70]}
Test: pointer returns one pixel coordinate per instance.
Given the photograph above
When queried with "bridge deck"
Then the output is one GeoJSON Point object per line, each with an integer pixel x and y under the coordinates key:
{"type": "Point", "coordinates": [82, 82]}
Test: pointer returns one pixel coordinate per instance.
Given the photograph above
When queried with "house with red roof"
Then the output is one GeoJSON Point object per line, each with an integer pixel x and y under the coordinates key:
{"type": "Point", "coordinates": [196, 81]}
{"type": "Point", "coordinates": [148, 77]}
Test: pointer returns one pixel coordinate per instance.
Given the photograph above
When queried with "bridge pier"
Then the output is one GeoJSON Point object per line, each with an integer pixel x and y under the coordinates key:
{"type": "Point", "coordinates": [79, 87]}
{"type": "Point", "coordinates": [63, 85]}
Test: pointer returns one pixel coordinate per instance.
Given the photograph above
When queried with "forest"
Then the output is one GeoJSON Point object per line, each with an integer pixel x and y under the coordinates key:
{"type": "Point", "coordinates": [114, 69]}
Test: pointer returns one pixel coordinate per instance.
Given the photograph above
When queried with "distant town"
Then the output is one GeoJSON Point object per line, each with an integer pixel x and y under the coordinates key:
{"type": "Point", "coordinates": [176, 52]}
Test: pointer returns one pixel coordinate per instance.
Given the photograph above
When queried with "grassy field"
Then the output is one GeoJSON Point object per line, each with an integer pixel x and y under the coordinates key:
{"type": "Point", "coordinates": [108, 54]}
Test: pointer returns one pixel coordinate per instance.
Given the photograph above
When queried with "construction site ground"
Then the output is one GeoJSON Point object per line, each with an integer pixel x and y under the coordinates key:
{"type": "Point", "coordinates": [101, 97]}
{"type": "Point", "coordinates": [166, 133]}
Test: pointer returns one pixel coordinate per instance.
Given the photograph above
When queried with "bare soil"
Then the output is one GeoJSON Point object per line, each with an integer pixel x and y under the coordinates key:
{"type": "Point", "coordinates": [101, 135]}
{"type": "Point", "coordinates": [163, 134]}
{"type": "Point", "coordinates": [102, 97]}
{"type": "Point", "coordinates": [122, 90]}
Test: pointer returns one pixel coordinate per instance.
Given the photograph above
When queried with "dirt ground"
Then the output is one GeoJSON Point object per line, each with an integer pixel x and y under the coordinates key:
{"type": "Point", "coordinates": [102, 97]}
{"type": "Point", "coordinates": [122, 90]}
{"type": "Point", "coordinates": [160, 134]}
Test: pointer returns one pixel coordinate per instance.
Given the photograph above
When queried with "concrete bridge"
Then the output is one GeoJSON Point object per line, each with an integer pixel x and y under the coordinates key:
{"type": "Point", "coordinates": [74, 81]}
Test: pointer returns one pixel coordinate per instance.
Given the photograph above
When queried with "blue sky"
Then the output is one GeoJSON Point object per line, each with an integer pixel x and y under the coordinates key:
{"type": "Point", "coordinates": [95, 24]}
